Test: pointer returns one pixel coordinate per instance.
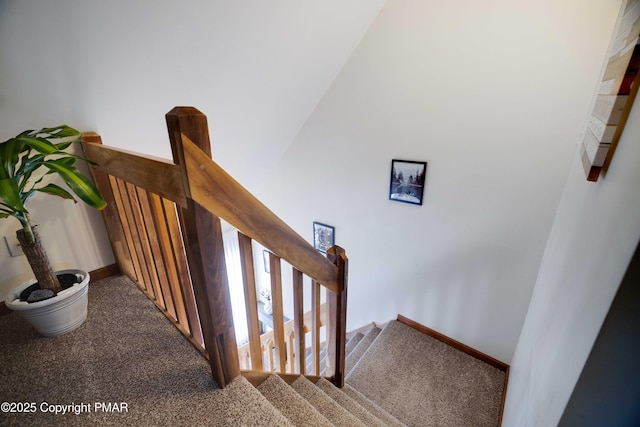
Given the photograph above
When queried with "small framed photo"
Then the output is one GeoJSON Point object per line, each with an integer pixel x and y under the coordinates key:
{"type": "Point", "coordinates": [323, 236]}
{"type": "Point", "coordinates": [266, 261]}
{"type": "Point", "coordinates": [407, 181]}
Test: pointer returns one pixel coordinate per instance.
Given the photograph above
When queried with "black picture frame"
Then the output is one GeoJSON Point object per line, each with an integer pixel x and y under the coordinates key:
{"type": "Point", "coordinates": [407, 180]}
{"type": "Point", "coordinates": [324, 236]}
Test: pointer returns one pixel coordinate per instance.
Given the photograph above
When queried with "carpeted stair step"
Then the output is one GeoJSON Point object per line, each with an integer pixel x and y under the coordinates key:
{"type": "Point", "coordinates": [241, 404]}
{"type": "Point", "coordinates": [425, 382]}
{"type": "Point", "coordinates": [353, 407]}
{"type": "Point", "coordinates": [353, 341]}
{"type": "Point", "coordinates": [291, 404]}
{"type": "Point", "coordinates": [376, 410]}
{"type": "Point", "coordinates": [335, 413]}
{"type": "Point", "coordinates": [351, 344]}
{"type": "Point", "coordinates": [361, 348]}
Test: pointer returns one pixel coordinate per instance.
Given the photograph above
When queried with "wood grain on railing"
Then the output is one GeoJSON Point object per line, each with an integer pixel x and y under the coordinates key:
{"type": "Point", "coordinates": [159, 176]}
{"type": "Point", "coordinates": [163, 254]}
{"type": "Point", "coordinates": [298, 320]}
{"type": "Point", "coordinates": [126, 230]}
{"type": "Point", "coordinates": [144, 280]}
{"type": "Point", "coordinates": [222, 195]}
{"type": "Point", "coordinates": [315, 327]}
{"type": "Point", "coordinates": [337, 319]}
{"type": "Point", "coordinates": [182, 270]}
{"type": "Point", "coordinates": [157, 262]}
{"type": "Point", "coordinates": [110, 213]}
{"type": "Point", "coordinates": [251, 300]}
{"type": "Point", "coordinates": [163, 221]}
{"type": "Point", "coordinates": [295, 356]}
{"type": "Point", "coordinates": [205, 251]}
{"type": "Point", "coordinates": [278, 312]}
{"type": "Point", "coordinates": [144, 230]}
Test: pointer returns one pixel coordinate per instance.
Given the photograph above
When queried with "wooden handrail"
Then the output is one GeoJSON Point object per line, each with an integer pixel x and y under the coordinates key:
{"type": "Point", "coordinates": [156, 175]}
{"type": "Point", "coordinates": [202, 233]}
{"type": "Point", "coordinates": [164, 224]}
{"type": "Point", "coordinates": [219, 193]}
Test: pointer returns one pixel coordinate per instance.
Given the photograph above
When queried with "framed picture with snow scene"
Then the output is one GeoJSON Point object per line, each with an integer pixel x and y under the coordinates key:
{"type": "Point", "coordinates": [407, 181]}
{"type": "Point", "coordinates": [324, 236]}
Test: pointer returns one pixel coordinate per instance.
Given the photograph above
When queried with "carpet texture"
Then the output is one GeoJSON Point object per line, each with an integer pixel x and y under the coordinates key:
{"type": "Point", "coordinates": [374, 409]}
{"type": "Point", "coordinates": [128, 352]}
{"type": "Point", "coordinates": [424, 382]}
{"type": "Point", "coordinates": [360, 348]}
{"type": "Point", "coordinates": [353, 341]}
{"type": "Point", "coordinates": [291, 404]}
{"type": "Point", "coordinates": [324, 404]}
{"type": "Point", "coordinates": [353, 407]}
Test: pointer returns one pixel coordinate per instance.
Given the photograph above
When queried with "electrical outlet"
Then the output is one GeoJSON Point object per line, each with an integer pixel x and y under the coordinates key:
{"type": "Point", "coordinates": [14, 246]}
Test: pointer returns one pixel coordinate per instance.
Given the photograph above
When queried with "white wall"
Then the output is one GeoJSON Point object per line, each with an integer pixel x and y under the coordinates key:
{"type": "Point", "coordinates": [594, 235]}
{"type": "Point", "coordinates": [493, 95]}
{"type": "Point", "coordinates": [256, 68]}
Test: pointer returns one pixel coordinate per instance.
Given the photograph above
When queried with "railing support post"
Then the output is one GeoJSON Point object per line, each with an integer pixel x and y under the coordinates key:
{"type": "Point", "coordinates": [205, 252]}
{"type": "Point", "coordinates": [337, 318]}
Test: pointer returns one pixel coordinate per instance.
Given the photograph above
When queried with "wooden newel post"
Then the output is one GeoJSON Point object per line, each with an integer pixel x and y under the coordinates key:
{"type": "Point", "coordinates": [205, 252]}
{"type": "Point", "coordinates": [337, 318]}
{"type": "Point", "coordinates": [110, 213]}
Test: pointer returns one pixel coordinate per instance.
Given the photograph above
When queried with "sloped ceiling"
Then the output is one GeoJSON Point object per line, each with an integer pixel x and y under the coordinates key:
{"type": "Point", "coordinates": [256, 68]}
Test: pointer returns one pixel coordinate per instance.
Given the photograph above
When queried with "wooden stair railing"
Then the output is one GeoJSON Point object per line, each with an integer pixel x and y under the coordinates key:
{"type": "Point", "coordinates": [250, 360]}
{"type": "Point", "coordinates": [163, 222]}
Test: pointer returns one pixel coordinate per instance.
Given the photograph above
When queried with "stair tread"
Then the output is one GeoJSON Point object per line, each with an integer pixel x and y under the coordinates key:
{"type": "Point", "coordinates": [232, 403]}
{"type": "Point", "coordinates": [324, 404]}
{"type": "Point", "coordinates": [353, 407]}
{"type": "Point", "coordinates": [376, 410]}
{"type": "Point", "coordinates": [291, 404]}
{"type": "Point", "coordinates": [361, 348]}
{"type": "Point", "coordinates": [351, 344]}
{"type": "Point", "coordinates": [423, 381]}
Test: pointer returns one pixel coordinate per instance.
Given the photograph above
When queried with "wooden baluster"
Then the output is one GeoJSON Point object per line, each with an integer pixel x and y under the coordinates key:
{"type": "Point", "coordinates": [246, 360]}
{"type": "Point", "coordinates": [298, 321]}
{"type": "Point", "coordinates": [110, 213]}
{"type": "Point", "coordinates": [186, 289]}
{"type": "Point", "coordinates": [337, 319]}
{"type": "Point", "coordinates": [152, 285]}
{"type": "Point", "coordinates": [269, 352]}
{"type": "Point", "coordinates": [126, 229]}
{"type": "Point", "coordinates": [161, 283]}
{"type": "Point", "coordinates": [250, 300]}
{"type": "Point", "coordinates": [278, 312]}
{"type": "Point", "coordinates": [144, 279]}
{"type": "Point", "coordinates": [290, 350]}
{"type": "Point", "coordinates": [205, 252]}
{"type": "Point", "coordinates": [315, 327]}
{"type": "Point", "coordinates": [171, 269]}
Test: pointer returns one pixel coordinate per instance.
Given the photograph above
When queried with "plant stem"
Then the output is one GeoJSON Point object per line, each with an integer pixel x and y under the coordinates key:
{"type": "Point", "coordinates": [26, 226]}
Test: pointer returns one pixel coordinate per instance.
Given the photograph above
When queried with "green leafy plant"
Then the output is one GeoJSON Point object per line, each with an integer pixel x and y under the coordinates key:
{"type": "Point", "coordinates": [25, 161]}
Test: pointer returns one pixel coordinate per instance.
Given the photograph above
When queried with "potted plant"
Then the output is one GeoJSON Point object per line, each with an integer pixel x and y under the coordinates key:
{"type": "Point", "coordinates": [54, 302]}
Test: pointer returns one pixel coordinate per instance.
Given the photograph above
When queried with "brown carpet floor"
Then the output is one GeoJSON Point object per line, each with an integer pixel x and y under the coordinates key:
{"type": "Point", "coordinates": [129, 356]}
{"type": "Point", "coordinates": [424, 382]}
{"type": "Point", "coordinates": [126, 351]}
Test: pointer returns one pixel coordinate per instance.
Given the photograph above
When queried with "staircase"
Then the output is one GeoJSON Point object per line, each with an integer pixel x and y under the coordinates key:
{"type": "Point", "coordinates": [395, 376]}
{"type": "Point", "coordinates": [164, 221]}
{"type": "Point", "coordinates": [128, 352]}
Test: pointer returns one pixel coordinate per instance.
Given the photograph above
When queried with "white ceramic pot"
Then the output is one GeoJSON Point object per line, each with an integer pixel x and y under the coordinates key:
{"type": "Point", "coordinates": [58, 315]}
